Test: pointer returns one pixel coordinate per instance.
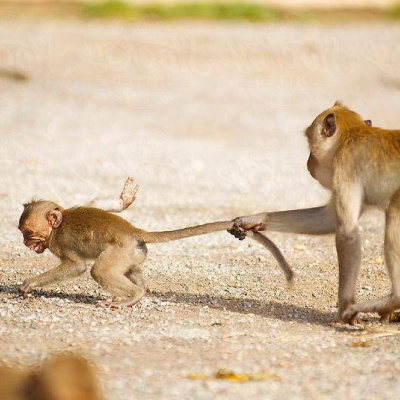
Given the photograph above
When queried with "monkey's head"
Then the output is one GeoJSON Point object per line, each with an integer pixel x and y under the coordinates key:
{"type": "Point", "coordinates": [324, 133]}
{"type": "Point", "coordinates": [36, 223]}
{"type": "Point", "coordinates": [324, 136]}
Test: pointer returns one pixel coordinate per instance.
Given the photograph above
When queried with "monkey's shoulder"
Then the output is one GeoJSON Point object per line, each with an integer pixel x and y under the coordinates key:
{"type": "Point", "coordinates": [372, 144]}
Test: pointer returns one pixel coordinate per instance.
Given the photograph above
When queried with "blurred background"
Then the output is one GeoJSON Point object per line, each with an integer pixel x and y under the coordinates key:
{"type": "Point", "coordinates": [205, 99]}
{"type": "Point", "coordinates": [205, 104]}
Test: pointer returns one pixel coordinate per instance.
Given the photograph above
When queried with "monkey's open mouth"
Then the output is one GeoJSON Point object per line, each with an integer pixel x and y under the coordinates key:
{"type": "Point", "coordinates": [37, 246]}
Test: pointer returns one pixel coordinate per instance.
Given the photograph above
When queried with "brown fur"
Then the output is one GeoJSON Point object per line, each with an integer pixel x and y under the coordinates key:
{"type": "Point", "coordinates": [118, 249]}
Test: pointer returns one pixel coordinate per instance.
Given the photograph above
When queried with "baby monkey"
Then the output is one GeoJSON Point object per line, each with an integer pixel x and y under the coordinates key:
{"type": "Point", "coordinates": [79, 234]}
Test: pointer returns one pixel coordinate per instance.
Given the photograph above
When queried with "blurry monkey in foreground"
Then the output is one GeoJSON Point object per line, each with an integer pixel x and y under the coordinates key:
{"type": "Point", "coordinates": [360, 164]}
{"type": "Point", "coordinates": [13, 74]}
{"type": "Point", "coordinates": [79, 234]}
{"type": "Point", "coordinates": [66, 377]}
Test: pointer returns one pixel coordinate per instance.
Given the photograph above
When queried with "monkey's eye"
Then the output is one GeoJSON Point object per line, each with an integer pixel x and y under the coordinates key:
{"type": "Point", "coordinates": [27, 233]}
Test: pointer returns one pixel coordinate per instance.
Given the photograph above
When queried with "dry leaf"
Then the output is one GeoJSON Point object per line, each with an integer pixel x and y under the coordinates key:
{"type": "Point", "coordinates": [265, 377]}
{"type": "Point", "coordinates": [363, 343]}
{"type": "Point", "coordinates": [197, 376]}
{"type": "Point", "coordinates": [244, 377]}
{"type": "Point", "coordinates": [233, 377]}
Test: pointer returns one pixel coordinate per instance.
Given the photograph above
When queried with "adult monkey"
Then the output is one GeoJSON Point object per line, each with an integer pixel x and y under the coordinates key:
{"type": "Point", "coordinates": [360, 164]}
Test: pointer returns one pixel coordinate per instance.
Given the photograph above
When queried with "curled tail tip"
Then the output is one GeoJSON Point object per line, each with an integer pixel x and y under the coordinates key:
{"type": "Point", "coordinates": [290, 281]}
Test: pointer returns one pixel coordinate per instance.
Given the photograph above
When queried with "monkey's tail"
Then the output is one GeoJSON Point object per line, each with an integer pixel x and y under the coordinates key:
{"type": "Point", "coordinates": [277, 254]}
{"type": "Point", "coordinates": [166, 236]}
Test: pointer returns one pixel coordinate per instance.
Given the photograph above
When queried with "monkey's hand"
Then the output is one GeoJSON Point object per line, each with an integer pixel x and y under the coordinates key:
{"type": "Point", "coordinates": [128, 194]}
{"type": "Point", "coordinates": [249, 223]}
{"type": "Point", "coordinates": [239, 233]}
{"type": "Point", "coordinates": [25, 288]}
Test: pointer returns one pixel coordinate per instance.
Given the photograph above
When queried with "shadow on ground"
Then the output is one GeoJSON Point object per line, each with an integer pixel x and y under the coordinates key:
{"type": "Point", "coordinates": [73, 298]}
{"type": "Point", "coordinates": [270, 309]}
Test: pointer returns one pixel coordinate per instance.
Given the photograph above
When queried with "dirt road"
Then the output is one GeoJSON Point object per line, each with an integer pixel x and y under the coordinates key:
{"type": "Point", "coordinates": [209, 119]}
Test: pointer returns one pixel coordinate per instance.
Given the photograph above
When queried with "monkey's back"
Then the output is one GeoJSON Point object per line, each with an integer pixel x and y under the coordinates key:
{"type": "Point", "coordinates": [89, 231]}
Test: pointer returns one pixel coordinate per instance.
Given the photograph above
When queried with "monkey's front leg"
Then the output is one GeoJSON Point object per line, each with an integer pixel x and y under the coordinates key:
{"type": "Point", "coordinates": [311, 221]}
{"type": "Point", "coordinates": [66, 270]}
{"type": "Point", "coordinates": [348, 246]}
{"type": "Point", "coordinates": [111, 204]}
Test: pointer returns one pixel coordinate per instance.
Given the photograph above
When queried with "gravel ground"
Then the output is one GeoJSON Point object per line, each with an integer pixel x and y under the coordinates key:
{"type": "Point", "coordinates": [209, 119]}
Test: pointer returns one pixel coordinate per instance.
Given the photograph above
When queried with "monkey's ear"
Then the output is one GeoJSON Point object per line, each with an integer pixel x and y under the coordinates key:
{"type": "Point", "coordinates": [368, 122]}
{"type": "Point", "coordinates": [54, 218]}
{"type": "Point", "coordinates": [329, 125]}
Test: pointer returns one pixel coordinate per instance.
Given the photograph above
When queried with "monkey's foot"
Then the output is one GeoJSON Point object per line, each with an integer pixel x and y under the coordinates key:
{"type": "Point", "coordinates": [116, 302]}
{"type": "Point", "coordinates": [350, 316]}
{"type": "Point", "coordinates": [128, 194]}
{"type": "Point", "coordinates": [24, 289]}
{"type": "Point", "coordinates": [352, 322]}
{"type": "Point", "coordinates": [386, 318]}
{"type": "Point", "coordinates": [107, 303]}
{"type": "Point", "coordinates": [394, 317]}
{"type": "Point", "coordinates": [130, 303]}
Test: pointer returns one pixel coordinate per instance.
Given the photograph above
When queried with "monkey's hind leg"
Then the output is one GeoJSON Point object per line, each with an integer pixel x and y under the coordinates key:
{"type": "Point", "coordinates": [117, 270]}
{"type": "Point", "coordinates": [111, 204]}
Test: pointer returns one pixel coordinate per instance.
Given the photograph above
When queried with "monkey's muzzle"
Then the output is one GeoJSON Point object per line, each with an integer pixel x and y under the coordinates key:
{"type": "Point", "coordinates": [36, 245]}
